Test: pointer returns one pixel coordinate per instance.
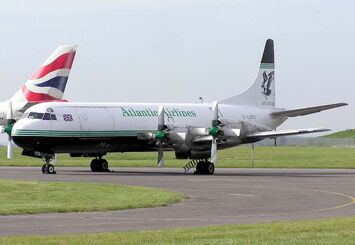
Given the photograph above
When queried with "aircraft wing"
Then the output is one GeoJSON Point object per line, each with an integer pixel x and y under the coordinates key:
{"type": "Point", "coordinates": [273, 134]}
{"type": "Point", "coordinates": [306, 110]}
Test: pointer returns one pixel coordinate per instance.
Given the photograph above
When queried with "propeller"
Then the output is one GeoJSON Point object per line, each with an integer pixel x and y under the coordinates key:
{"type": "Point", "coordinates": [214, 132]}
{"type": "Point", "coordinates": [8, 128]}
{"type": "Point", "coordinates": [160, 135]}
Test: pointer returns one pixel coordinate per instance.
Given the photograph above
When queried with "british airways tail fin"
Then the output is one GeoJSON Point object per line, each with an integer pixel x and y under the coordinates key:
{"type": "Point", "coordinates": [262, 91]}
{"type": "Point", "coordinates": [49, 81]}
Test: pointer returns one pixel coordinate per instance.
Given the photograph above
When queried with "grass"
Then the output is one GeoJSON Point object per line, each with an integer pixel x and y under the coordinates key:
{"type": "Point", "coordinates": [326, 231]}
{"type": "Point", "coordinates": [265, 157]}
{"type": "Point", "coordinates": [28, 197]}
{"type": "Point", "coordinates": [349, 133]}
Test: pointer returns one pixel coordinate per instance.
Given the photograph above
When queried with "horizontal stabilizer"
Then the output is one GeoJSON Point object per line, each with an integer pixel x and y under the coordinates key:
{"type": "Point", "coordinates": [306, 111]}
{"type": "Point", "coordinates": [273, 134]}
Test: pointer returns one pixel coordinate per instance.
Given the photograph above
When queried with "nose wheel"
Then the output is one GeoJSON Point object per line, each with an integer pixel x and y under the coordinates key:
{"type": "Point", "coordinates": [99, 165]}
{"type": "Point", "coordinates": [48, 167]}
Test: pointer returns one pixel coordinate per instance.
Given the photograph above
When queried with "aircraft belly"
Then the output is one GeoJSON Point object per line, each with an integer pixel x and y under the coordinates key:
{"type": "Point", "coordinates": [83, 144]}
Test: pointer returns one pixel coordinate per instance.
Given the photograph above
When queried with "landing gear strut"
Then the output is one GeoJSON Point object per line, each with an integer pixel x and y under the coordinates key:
{"type": "Point", "coordinates": [99, 165]}
{"type": "Point", "coordinates": [204, 167]}
{"type": "Point", "coordinates": [48, 167]}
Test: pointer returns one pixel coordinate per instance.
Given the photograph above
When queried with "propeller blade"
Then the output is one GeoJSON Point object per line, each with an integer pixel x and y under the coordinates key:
{"type": "Point", "coordinates": [160, 155]}
{"type": "Point", "coordinates": [10, 148]}
{"type": "Point", "coordinates": [214, 114]}
{"type": "Point", "coordinates": [10, 121]}
{"type": "Point", "coordinates": [161, 119]}
{"type": "Point", "coordinates": [160, 135]}
{"type": "Point", "coordinates": [214, 131]}
{"type": "Point", "coordinates": [214, 155]}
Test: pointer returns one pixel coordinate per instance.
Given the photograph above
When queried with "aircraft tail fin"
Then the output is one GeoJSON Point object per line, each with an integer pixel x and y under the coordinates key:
{"type": "Point", "coordinates": [262, 91]}
{"type": "Point", "coordinates": [49, 81]}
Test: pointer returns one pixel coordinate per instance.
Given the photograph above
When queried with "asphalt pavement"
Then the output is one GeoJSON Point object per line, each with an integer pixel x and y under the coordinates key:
{"type": "Point", "coordinates": [230, 196]}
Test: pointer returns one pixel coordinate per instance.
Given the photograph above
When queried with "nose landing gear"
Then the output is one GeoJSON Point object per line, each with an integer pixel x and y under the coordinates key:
{"type": "Point", "coordinates": [48, 167]}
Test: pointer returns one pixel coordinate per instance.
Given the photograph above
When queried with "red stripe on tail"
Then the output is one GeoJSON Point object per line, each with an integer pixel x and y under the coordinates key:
{"type": "Point", "coordinates": [36, 97]}
{"type": "Point", "coordinates": [64, 61]}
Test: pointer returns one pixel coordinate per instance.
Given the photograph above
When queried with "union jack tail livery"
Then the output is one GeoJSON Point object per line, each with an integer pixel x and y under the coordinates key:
{"type": "Point", "coordinates": [49, 81]}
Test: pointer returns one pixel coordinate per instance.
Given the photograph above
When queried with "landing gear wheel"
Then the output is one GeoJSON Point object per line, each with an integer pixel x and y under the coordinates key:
{"type": "Point", "coordinates": [209, 168]}
{"type": "Point", "coordinates": [204, 168]}
{"type": "Point", "coordinates": [103, 165]}
{"type": "Point", "coordinates": [48, 169]}
{"type": "Point", "coordinates": [99, 165]}
{"type": "Point", "coordinates": [94, 165]}
{"type": "Point", "coordinates": [200, 168]}
{"type": "Point", "coordinates": [48, 166]}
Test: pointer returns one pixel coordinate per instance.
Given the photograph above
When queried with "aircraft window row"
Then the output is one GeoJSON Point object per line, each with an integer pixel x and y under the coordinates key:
{"type": "Point", "coordinates": [43, 116]}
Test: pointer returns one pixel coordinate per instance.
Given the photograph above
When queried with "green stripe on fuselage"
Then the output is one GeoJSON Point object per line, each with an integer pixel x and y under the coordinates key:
{"type": "Point", "coordinates": [59, 133]}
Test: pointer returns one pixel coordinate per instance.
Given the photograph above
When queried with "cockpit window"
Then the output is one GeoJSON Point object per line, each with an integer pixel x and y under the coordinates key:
{"type": "Point", "coordinates": [47, 116]}
{"type": "Point", "coordinates": [43, 116]}
{"type": "Point", "coordinates": [35, 115]}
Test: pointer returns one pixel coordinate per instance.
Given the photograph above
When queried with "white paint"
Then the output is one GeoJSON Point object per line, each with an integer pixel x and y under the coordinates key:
{"type": "Point", "coordinates": [238, 194]}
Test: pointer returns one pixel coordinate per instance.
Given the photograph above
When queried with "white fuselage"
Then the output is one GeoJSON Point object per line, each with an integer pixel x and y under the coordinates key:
{"type": "Point", "coordinates": [88, 127]}
{"type": "Point", "coordinates": [96, 117]}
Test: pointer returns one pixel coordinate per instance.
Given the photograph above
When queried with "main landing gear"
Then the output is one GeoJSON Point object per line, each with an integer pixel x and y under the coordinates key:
{"type": "Point", "coordinates": [99, 165]}
{"type": "Point", "coordinates": [48, 167]}
{"type": "Point", "coordinates": [204, 167]}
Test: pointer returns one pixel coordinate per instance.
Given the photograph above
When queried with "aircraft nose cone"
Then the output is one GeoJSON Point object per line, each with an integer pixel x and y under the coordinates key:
{"type": "Point", "coordinates": [21, 134]}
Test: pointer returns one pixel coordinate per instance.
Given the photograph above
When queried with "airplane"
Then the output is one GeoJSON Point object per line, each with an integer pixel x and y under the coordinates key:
{"type": "Point", "coordinates": [46, 84]}
{"type": "Point", "coordinates": [193, 131]}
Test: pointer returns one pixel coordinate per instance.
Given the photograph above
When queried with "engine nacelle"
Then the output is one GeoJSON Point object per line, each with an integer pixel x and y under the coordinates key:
{"type": "Point", "coordinates": [200, 154]}
{"type": "Point", "coordinates": [185, 152]}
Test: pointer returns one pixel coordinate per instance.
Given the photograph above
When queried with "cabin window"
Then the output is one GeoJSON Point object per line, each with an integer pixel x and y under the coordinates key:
{"type": "Point", "coordinates": [35, 115]}
{"type": "Point", "coordinates": [53, 117]}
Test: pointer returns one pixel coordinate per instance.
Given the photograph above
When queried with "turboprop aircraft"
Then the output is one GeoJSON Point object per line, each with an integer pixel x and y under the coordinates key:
{"type": "Point", "coordinates": [193, 131]}
{"type": "Point", "coordinates": [46, 84]}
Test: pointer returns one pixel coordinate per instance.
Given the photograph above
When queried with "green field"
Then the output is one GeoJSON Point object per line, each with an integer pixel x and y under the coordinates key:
{"type": "Point", "coordinates": [237, 157]}
{"type": "Point", "coordinates": [19, 197]}
{"type": "Point", "coordinates": [349, 133]}
{"type": "Point", "coordinates": [326, 231]}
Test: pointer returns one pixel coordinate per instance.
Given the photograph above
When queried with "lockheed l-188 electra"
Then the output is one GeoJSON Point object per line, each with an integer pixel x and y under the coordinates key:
{"type": "Point", "coordinates": [193, 131]}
